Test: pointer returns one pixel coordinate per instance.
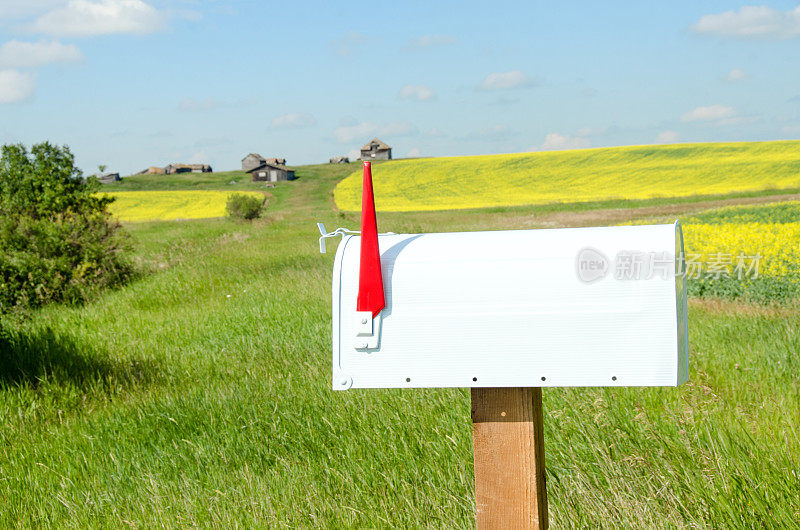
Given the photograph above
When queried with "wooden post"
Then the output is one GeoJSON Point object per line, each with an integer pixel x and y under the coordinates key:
{"type": "Point", "coordinates": [508, 444]}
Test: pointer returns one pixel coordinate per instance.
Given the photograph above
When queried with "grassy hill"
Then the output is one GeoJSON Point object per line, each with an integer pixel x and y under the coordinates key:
{"type": "Point", "coordinates": [234, 180]}
{"type": "Point", "coordinates": [199, 195]}
{"type": "Point", "coordinates": [200, 396]}
{"type": "Point", "coordinates": [629, 173]}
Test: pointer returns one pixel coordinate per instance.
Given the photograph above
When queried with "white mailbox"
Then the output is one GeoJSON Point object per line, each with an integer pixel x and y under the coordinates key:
{"type": "Point", "coordinates": [523, 308]}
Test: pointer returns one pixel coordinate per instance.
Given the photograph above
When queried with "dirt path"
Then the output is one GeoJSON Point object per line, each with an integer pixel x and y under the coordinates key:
{"type": "Point", "coordinates": [737, 307]}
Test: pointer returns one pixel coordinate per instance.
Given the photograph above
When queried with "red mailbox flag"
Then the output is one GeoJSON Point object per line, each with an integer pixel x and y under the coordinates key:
{"type": "Point", "coordinates": [370, 280]}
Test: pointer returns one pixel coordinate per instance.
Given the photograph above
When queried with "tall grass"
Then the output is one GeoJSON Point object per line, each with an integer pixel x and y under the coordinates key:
{"type": "Point", "coordinates": [199, 395]}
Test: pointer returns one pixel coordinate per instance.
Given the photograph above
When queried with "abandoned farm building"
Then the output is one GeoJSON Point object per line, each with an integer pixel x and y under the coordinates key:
{"type": "Point", "coordinates": [271, 170]}
{"type": "Point", "coordinates": [105, 178]}
{"type": "Point", "coordinates": [254, 160]}
{"type": "Point", "coordinates": [187, 168]}
{"type": "Point", "coordinates": [376, 150]}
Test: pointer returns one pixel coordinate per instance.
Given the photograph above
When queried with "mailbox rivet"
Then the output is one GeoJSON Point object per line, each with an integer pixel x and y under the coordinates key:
{"type": "Point", "coordinates": [614, 378]}
{"type": "Point", "coordinates": [363, 320]}
{"type": "Point", "coordinates": [364, 344]}
{"type": "Point", "coordinates": [544, 378]}
{"type": "Point", "coordinates": [344, 381]}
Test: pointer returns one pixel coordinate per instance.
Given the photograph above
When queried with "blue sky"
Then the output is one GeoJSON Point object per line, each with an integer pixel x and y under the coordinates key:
{"type": "Point", "coordinates": [134, 83]}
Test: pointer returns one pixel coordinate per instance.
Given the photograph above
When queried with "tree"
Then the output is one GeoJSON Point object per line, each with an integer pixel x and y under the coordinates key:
{"type": "Point", "coordinates": [57, 240]}
{"type": "Point", "coordinates": [102, 168]}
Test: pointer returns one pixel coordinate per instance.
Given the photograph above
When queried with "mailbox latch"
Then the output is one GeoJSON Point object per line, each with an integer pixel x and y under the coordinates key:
{"type": "Point", "coordinates": [367, 331]}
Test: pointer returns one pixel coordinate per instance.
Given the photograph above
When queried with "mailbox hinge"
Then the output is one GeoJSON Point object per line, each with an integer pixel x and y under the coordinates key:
{"type": "Point", "coordinates": [367, 331]}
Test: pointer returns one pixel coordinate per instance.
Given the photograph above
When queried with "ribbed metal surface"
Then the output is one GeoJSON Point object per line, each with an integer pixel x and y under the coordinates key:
{"type": "Point", "coordinates": [508, 309]}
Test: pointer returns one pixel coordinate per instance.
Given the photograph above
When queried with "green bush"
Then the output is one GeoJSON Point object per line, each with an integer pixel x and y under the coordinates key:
{"type": "Point", "coordinates": [58, 243]}
{"type": "Point", "coordinates": [244, 206]}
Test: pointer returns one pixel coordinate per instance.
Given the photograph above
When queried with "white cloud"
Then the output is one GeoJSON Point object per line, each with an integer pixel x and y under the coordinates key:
{"type": "Point", "coordinates": [16, 54]}
{"type": "Point", "coordinates": [349, 42]}
{"type": "Point", "coordinates": [293, 120]}
{"type": "Point", "coordinates": [737, 74]}
{"type": "Point", "coordinates": [506, 80]}
{"type": "Point", "coordinates": [667, 137]}
{"type": "Point", "coordinates": [15, 86]}
{"type": "Point", "coordinates": [428, 41]}
{"type": "Point", "coordinates": [363, 132]}
{"type": "Point", "coordinates": [413, 153]}
{"type": "Point", "coordinates": [436, 132]}
{"type": "Point", "coordinates": [418, 92]}
{"type": "Point", "coordinates": [751, 22]}
{"type": "Point", "coordinates": [556, 141]}
{"type": "Point", "coordinates": [350, 133]}
{"type": "Point", "coordinates": [710, 113]}
{"type": "Point", "coordinates": [83, 18]}
{"type": "Point", "coordinates": [22, 8]}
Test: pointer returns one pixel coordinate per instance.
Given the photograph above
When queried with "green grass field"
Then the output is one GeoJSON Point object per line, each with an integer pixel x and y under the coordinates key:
{"type": "Point", "coordinates": [199, 396]}
{"type": "Point", "coordinates": [628, 173]}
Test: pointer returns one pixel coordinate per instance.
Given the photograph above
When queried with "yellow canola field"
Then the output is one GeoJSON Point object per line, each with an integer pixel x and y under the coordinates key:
{"type": "Point", "coordinates": [769, 231]}
{"type": "Point", "coordinates": [776, 245]}
{"type": "Point", "coordinates": [636, 172]}
{"type": "Point", "coordinates": [138, 206]}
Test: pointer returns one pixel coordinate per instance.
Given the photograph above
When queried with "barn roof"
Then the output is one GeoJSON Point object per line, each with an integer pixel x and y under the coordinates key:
{"type": "Point", "coordinates": [190, 166]}
{"type": "Point", "coordinates": [381, 145]}
{"type": "Point", "coordinates": [269, 164]}
{"type": "Point", "coordinates": [274, 160]}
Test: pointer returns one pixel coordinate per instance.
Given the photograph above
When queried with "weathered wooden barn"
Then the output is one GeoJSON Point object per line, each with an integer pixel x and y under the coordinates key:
{"type": "Point", "coordinates": [152, 170]}
{"type": "Point", "coordinates": [187, 168]}
{"type": "Point", "coordinates": [254, 160]}
{"type": "Point", "coordinates": [107, 178]}
{"type": "Point", "coordinates": [376, 150]}
{"type": "Point", "coordinates": [271, 171]}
